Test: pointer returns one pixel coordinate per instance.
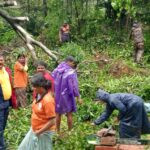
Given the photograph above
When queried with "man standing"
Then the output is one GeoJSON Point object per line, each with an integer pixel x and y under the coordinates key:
{"type": "Point", "coordinates": [66, 89]}
{"type": "Point", "coordinates": [5, 96]}
{"type": "Point", "coordinates": [138, 40]}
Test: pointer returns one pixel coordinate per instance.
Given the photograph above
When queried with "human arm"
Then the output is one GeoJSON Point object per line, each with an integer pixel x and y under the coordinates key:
{"type": "Point", "coordinates": [104, 116]}
{"type": "Point", "coordinates": [74, 88]}
{"type": "Point", "coordinates": [54, 73]}
{"type": "Point", "coordinates": [21, 67]}
{"type": "Point", "coordinates": [79, 100]}
{"type": "Point", "coordinates": [49, 124]}
{"type": "Point", "coordinates": [120, 106]}
{"type": "Point", "coordinates": [49, 109]}
{"type": "Point", "coordinates": [26, 65]}
{"type": "Point", "coordinates": [73, 85]}
{"type": "Point", "coordinates": [25, 68]}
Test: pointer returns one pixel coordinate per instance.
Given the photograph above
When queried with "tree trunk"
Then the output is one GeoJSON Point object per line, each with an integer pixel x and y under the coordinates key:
{"type": "Point", "coordinates": [45, 7]}
{"type": "Point", "coordinates": [77, 17]}
{"type": "Point", "coordinates": [28, 6]}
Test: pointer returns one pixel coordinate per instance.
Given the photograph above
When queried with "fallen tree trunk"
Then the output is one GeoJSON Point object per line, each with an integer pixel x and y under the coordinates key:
{"type": "Point", "coordinates": [8, 3]}
{"type": "Point", "coordinates": [24, 35]}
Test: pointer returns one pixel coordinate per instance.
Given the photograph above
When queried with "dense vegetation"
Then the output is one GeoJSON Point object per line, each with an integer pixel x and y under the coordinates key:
{"type": "Point", "coordinates": [100, 41]}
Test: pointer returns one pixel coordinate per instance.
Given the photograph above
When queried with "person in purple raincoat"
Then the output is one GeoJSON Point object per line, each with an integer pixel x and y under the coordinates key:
{"type": "Point", "coordinates": [66, 89]}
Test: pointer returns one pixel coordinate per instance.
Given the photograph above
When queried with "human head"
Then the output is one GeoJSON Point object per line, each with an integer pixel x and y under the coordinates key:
{"type": "Point", "coordinates": [102, 95]}
{"type": "Point", "coordinates": [1, 61]}
{"type": "Point", "coordinates": [41, 66]}
{"type": "Point", "coordinates": [66, 25]}
{"type": "Point", "coordinates": [21, 58]}
{"type": "Point", "coordinates": [71, 61]}
{"type": "Point", "coordinates": [136, 24]}
{"type": "Point", "coordinates": [40, 84]}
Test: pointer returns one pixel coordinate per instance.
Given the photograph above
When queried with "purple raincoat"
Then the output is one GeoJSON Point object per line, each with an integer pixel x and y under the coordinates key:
{"type": "Point", "coordinates": [66, 88]}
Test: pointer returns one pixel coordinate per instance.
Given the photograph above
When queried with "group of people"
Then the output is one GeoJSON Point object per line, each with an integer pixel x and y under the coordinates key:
{"type": "Point", "coordinates": [55, 94]}
{"type": "Point", "coordinates": [12, 92]}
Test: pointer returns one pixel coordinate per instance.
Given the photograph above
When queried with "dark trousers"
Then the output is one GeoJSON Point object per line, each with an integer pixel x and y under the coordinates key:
{"type": "Point", "coordinates": [3, 119]}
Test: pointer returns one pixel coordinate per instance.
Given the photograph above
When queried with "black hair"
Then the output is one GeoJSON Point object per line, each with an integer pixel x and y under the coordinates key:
{"type": "Point", "coordinates": [1, 55]}
{"type": "Point", "coordinates": [41, 63]}
{"type": "Point", "coordinates": [72, 59]}
{"type": "Point", "coordinates": [136, 24]}
{"type": "Point", "coordinates": [38, 80]}
{"type": "Point", "coordinates": [65, 24]}
{"type": "Point", "coordinates": [21, 55]}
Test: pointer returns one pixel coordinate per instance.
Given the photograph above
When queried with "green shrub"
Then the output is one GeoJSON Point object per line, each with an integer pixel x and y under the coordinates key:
{"type": "Point", "coordinates": [72, 49]}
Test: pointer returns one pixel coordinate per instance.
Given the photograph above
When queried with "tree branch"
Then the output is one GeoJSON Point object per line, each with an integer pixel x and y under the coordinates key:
{"type": "Point", "coordinates": [8, 3]}
{"type": "Point", "coordinates": [25, 36]}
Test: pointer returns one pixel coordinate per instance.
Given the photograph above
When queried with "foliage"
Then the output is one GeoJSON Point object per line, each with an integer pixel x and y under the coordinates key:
{"type": "Point", "coordinates": [6, 33]}
{"type": "Point", "coordinates": [124, 5]}
{"type": "Point", "coordinates": [92, 33]}
{"type": "Point", "coordinates": [17, 127]}
{"type": "Point", "coordinates": [132, 84]}
{"type": "Point", "coordinates": [72, 49]}
{"type": "Point", "coordinates": [91, 77]}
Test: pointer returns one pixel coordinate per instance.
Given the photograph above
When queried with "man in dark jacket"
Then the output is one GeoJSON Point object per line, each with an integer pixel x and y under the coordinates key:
{"type": "Point", "coordinates": [132, 114]}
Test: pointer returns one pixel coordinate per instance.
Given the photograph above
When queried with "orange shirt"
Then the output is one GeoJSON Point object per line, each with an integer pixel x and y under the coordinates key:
{"type": "Point", "coordinates": [20, 76]}
{"type": "Point", "coordinates": [42, 112]}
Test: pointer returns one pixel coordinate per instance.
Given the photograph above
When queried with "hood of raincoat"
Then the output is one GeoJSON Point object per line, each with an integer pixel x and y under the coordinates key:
{"type": "Point", "coordinates": [102, 95]}
{"type": "Point", "coordinates": [63, 67]}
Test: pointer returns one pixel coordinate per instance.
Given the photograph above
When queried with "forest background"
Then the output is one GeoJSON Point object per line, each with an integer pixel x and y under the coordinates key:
{"type": "Point", "coordinates": [100, 40]}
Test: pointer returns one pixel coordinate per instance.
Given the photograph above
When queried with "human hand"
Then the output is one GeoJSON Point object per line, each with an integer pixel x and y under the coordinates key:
{"type": "Point", "coordinates": [37, 133]}
{"type": "Point", "coordinates": [93, 124]}
{"type": "Point", "coordinates": [102, 132]}
{"type": "Point", "coordinates": [26, 60]}
{"type": "Point", "coordinates": [116, 120]}
{"type": "Point", "coordinates": [80, 101]}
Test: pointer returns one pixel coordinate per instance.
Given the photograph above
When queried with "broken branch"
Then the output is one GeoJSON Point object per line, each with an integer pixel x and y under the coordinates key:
{"type": "Point", "coordinates": [25, 36]}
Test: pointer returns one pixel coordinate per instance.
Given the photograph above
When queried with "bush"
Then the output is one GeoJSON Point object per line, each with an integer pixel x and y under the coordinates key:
{"type": "Point", "coordinates": [72, 49]}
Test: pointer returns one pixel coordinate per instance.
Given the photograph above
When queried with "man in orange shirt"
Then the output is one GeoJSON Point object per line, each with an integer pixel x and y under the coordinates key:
{"type": "Point", "coordinates": [43, 117]}
{"type": "Point", "coordinates": [21, 80]}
